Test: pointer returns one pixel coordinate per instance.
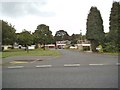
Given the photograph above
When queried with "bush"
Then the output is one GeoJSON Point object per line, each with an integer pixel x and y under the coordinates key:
{"type": "Point", "coordinates": [110, 47]}
{"type": "Point", "coordinates": [100, 49]}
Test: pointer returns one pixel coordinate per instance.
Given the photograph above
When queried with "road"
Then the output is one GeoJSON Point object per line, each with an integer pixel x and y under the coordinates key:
{"type": "Point", "coordinates": [73, 69]}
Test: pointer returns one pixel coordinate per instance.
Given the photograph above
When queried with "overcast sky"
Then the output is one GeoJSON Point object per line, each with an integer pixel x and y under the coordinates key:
{"type": "Point", "coordinates": [68, 15]}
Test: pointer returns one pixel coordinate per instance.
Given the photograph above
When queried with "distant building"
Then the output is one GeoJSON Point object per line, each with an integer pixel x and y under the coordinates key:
{"type": "Point", "coordinates": [63, 44]}
{"type": "Point", "coordinates": [84, 45]}
{"type": "Point", "coordinates": [50, 46]}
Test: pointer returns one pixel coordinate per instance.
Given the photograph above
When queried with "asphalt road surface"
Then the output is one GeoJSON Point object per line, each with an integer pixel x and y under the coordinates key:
{"type": "Point", "coordinates": [73, 69]}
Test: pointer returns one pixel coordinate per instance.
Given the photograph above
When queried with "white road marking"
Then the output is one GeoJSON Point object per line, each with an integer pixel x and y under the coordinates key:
{"type": "Point", "coordinates": [117, 63]}
{"type": "Point", "coordinates": [96, 64]}
{"type": "Point", "coordinates": [65, 65]}
{"type": "Point", "coordinates": [16, 67]}
{"type": "Point", "coordinates": [41, 66]}
{"type": "Point", "coordinates": [71, 65]}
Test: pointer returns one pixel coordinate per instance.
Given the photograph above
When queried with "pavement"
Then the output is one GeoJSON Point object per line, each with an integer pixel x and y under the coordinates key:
{"type": "Point", "coordinates": [73, 69]}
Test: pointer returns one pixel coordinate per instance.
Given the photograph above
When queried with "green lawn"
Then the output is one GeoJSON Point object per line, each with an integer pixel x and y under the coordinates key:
{"type": "Point", "coordinates": [36, 52]}
{"type": "Point", "coordinates": [0, 54]}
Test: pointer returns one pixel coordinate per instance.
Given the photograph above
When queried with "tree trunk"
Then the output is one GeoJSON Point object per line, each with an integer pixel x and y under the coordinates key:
{"type": "Point", "coordinates": [94, 44]}
{"type": "Point", "coordinates": [44, 47]}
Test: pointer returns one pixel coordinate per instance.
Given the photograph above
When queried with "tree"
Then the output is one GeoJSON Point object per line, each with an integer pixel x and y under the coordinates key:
{"type": "Point", "coordinates": [0, 35]}
{"type": "Point", "coordinates": [0, 31]}
{"type": "Point", "coordinates": [61, 35]}
{"type": "Point", "coordinates": [74, 38]}
{"type": "Point", "coordinates": [95, 32]}
{"type": "Point", "coordinates": [114, 28]}
{"type": "Point", "coordinates": [119, 29]}
{"type": "Point", "coordinates": [43, 35]}
{"type": "Point", "coordinates": [8, 33]}
{"type": "Point", "coordinates": [25, 38]}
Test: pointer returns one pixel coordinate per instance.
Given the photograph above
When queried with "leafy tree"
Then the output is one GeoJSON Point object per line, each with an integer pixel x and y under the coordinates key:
{"type": "Point", "coordinates": [83, 37]}
{"type": "Point", "coordinates": [0, 35]}
{"type": "Point", "coordinates": [43, 35]}
{"type": "Point", "coordinates": [0, 31]}
{"type": "Point", "coordinates": [119, 29]}
{"type": "Point", "coordinates": [25, 38]}
{"type": "Point", "coordinates": [8, 33]}
{"type": "Point", "coordinates": [113, 37]}
{"type": "Point", "coordinates": [74, 38]}
{"type": "Point", "coordinates": [95, 32]}
{"type": "Point", "coordinates": [61, 35]}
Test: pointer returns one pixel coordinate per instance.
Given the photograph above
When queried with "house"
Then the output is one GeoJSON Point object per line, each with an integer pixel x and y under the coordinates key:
{"type": "Point", "coordinates": [63, 44]}
{"type": "Point", "coordinates": [84, 45]}
{"type": "Point", "coordinates": [50, 46]}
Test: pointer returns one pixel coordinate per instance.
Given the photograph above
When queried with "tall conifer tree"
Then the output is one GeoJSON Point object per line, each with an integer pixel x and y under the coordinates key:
{"type": "Point", "coordinates": [114, 26]}
{"type": "Point", "coordinates": [95, 31]}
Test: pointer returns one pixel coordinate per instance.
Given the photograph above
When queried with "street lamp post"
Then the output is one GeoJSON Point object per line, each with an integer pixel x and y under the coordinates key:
{"type": "Point", "coordinates": [81, 34]}
{"type": "Point", "coordinates": [44, 40]}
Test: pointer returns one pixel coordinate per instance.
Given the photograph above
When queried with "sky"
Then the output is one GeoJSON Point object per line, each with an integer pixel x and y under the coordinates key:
{"type": "Point", "coordinates": [68, 15]}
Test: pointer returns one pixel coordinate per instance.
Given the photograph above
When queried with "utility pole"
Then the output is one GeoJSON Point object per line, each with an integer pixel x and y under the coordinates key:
{"type": "Point", "coordinates": [44, 40]}
{"type": "Point", "coordinates": [80, 34]}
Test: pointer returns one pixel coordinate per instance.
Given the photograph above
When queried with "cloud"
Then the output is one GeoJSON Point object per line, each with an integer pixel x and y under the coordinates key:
{"type": "Point", "coordinates": [19, 9]}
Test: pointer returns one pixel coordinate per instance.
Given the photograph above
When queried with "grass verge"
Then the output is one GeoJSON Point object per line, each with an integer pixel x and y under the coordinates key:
{"type": "Point", "coordinates": [36, 52]}
{"type": "Point", "coordinates": [112, 53]}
